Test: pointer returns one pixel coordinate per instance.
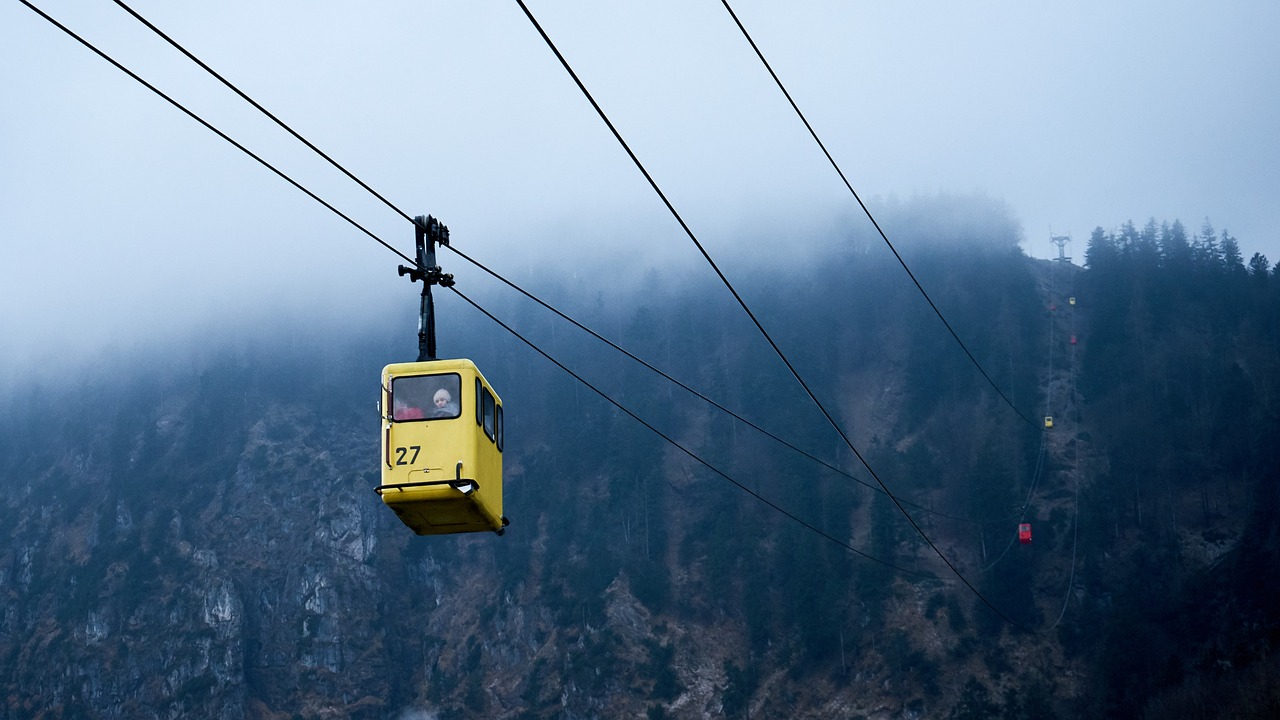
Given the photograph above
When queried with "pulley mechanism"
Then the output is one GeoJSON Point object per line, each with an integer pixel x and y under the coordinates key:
{"type": "Point", "coordinates": [428, 232]}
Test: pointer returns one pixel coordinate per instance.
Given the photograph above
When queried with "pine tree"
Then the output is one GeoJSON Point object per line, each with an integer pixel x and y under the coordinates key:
{"type": "Point", "coordinates": [1231, 256]}
{"type": "Point", "coordinates": [1258, 265]}
{"type": "Point", "coordinates": [1205, 247]}
{"type": "Point", "coordinates": [1174, 245]}
{"type": "Point", "coordinates": [1128, 241]}
{"type": "Point", "coordinates": [1148, 246]}
{"type": "Point", "coordinates": [1101, 252]}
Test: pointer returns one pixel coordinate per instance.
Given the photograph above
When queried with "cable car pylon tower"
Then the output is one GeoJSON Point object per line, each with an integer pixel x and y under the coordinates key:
{"type": "Point", "coordinates": [1061, 241]}
{"type": "Point", "coordinates": [427, 232]}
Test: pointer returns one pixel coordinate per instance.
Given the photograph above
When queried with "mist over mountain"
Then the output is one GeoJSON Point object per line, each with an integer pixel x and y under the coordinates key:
{"type": "Point", "coordinates": [193, 531]}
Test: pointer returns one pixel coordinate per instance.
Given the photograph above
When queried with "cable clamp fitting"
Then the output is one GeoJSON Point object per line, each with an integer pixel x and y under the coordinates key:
{"type": "Point", "coordinates": [436, 277]}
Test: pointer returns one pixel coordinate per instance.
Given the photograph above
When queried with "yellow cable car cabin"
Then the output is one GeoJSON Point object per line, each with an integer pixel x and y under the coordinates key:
{"type": "Point", "coordinates": [1048, 421]}
{"type": "Point", "coordinates": [441, 447]}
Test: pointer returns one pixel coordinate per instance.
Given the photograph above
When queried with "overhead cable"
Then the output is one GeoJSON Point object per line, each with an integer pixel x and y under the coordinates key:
{"type": "Point", "coordinates": [694, 456]}
{"type": "Point", "coordinates": [747, 310]}
{"type": "Point", "coordinates": [261, 109]}
{"type": "Point", "coordinates": [700, 395]}
{"type": "Point", "coordinates": [205, 66]}
{"type": "Point", "coordinates": [742, 303]}
{"type": "Point", "coordinates": [330, 207]}
{"type": "Point", "coordinates": [1075, 457]}
{"type": "Point", "coordinates": [406, 216]}
{"type": "Point", "coordinates": [1022, 515]}
{"type": "Point", "coordinates": [213, 129]}
{"type": "Point", "coordinates": [871, 217]}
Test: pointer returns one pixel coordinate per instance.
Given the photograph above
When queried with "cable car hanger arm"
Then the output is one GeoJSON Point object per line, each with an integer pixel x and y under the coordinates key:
{"type": "Point", "coordinates": [427, 232]}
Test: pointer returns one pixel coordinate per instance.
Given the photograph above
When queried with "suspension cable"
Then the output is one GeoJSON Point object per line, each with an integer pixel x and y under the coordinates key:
{"type": "Point", "coordinates": [703, 397]}
{"type": "Point", "coordinates": [213, 129]}
{"type": "Point", "coordinates": [867, 212]}
{"type": "Point", "coordinates": [654, 185]}
{"type": "Point", "coordinates": [764, 333]}
{"type": "Point", "coordinates": [262, 109]}
{"type": "Point", "coordinates": [771, 504]}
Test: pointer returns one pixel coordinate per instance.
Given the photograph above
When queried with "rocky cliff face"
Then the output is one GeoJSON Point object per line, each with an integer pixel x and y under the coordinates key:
{"type": "Point", "coordinates": [189, 574]}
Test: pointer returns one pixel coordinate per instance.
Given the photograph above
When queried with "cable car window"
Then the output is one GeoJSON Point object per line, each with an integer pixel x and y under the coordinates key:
{"type": "Point", "coordinates": [479, 404]}
{"type": "Point", "coordinates": [490, 410]}
{"type": "Point", "coordinates": [499, 429]}
{"type": "Point", "coordinates": [426, 397]}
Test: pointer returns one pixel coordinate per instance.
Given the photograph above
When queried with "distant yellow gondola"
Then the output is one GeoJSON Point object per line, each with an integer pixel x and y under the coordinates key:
{"type": "Point", "coordinates": [442, 439]}
{"type": "Point", "coordinates": [1048, 421]}
{"type": "Point", "coordinates": [1071, 300]}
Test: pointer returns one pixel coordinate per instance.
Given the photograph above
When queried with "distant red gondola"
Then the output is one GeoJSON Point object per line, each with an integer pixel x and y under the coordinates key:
{"type": "Point", "coordinates": [1024, 533]}
{"type": "Point", "coordinates": [1073, 339]}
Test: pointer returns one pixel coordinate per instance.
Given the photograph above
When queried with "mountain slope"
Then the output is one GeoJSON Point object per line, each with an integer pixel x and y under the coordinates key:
{"type": "Point", "coordinates": [198, 536]}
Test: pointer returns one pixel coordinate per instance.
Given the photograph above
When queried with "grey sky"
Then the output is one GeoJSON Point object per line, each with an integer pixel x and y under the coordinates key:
{"type": "Point", "coordinates": [121, 214]}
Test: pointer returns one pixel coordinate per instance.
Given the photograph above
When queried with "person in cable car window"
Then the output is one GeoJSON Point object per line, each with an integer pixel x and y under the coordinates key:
{"type": "Point", "coordinates": [445, 407]}
{"type": "Point", "coordinates": [404, 411]}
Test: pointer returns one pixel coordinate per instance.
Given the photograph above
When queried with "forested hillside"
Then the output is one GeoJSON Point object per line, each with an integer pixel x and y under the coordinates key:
{"type": "Point", "coordinates": [194, 532]}
{"type": "Point", "coordinates": [1180, 378]}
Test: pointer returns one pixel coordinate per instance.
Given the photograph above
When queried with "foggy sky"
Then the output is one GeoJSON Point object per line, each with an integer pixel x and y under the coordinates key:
{"type": "Point", "coordinates": [123, 218]}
